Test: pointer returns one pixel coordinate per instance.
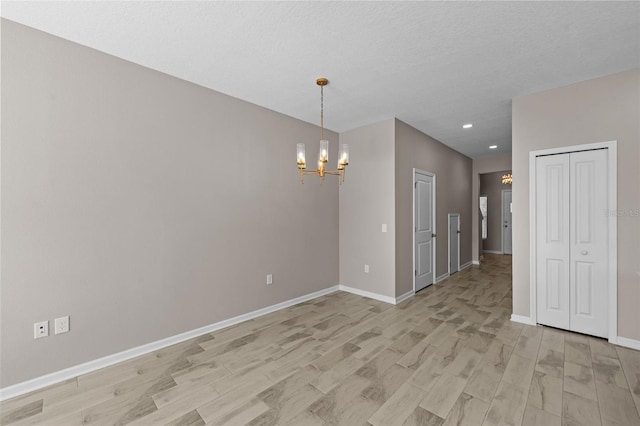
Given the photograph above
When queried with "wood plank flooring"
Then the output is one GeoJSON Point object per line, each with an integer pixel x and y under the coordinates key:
{"type": "Point", "coordinates": [448, 356]}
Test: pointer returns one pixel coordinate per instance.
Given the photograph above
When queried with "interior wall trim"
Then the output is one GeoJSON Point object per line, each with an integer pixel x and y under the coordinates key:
{"type": "Point", "coordinates": [88, 367]}
{"type": "Point", "coordinates": [466, 265]}
{"type": "Point", "coordinates": [405, 296]}
{"type": "Point", "coordinates": [369, 294]}
{"type": "Point", "coordinates": [376, 296]}
{"type": "Point", "coordinates": [442, 278]}
{"type": "Point", "coordinates": [627, 343]}
{"type": "Point", "coordinates": [522, 319]}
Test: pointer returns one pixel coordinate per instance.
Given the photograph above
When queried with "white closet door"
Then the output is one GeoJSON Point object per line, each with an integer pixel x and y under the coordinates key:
{"type": "Point", "coordinates": [553, 240]}
{"type": "Point", "coordinates": [589, 243]}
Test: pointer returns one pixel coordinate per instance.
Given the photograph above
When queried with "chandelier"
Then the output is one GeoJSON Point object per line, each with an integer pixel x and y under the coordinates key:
{"type": "Point", "coordinates": [323, 154]}
{"type": "Point", "coordinates": [507, 179]}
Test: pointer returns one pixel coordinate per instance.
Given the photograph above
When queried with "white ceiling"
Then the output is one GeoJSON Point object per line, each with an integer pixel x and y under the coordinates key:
{"type": "Point", "coordinates": [434, 65]}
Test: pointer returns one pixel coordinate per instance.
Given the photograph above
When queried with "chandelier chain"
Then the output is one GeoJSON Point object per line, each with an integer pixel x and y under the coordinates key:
{"type": "Point", "coordinates": [321, 112]}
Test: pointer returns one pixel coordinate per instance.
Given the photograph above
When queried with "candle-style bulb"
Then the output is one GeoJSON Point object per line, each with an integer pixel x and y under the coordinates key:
{"type": "Point", "coordinates": [323, 155]}
{"type": "Point", "coordinates": [301, 156]}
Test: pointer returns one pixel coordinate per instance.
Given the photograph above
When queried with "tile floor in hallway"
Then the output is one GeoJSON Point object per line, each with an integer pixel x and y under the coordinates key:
{"type": "Point", "coordinates": [448, 356]}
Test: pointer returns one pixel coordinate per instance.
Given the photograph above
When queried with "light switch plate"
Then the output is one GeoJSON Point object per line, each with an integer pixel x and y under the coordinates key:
{"type": "Point", "coordinates": [384, 227]}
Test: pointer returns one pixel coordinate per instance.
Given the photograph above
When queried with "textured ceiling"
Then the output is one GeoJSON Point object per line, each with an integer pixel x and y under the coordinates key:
{"type": "Point", "coordinates": [434, 65]}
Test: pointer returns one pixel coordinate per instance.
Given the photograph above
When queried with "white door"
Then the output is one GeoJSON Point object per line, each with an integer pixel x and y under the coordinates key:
{"type": "Point", "coordinates": [454, 243]}
{"type": "Point", "coordinates": [589, 243]}
{"type": "Point", "coordinates": [424, 229]}
{"type": "Point", "coordinates": [552, 240]}
{"type": "Point", "coordinates": [571, 237]}
{"type": "Point", "coordinates": [506, 222]}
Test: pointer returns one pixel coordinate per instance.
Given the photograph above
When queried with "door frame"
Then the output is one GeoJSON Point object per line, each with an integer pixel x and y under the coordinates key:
{"type": "Point", "coordinates": [502, 224]}
{"type": "Point", "coordinates": [449, 241]}
{"type": "Point", "coordinates": [612, 171]}
{"type": "Point", "coordinates": [433, 218]}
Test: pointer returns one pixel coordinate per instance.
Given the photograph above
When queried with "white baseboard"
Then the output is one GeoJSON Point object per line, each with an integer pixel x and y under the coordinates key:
{"type": "Point", "coordinates": [522, 319]}
{"type": "Point", "coordinates": [405, 296]}
{"type": "Point", "coordinates": [492, 251]}
{"type": "Point", "coordinates": [376, 296]}
{"type": "Point", "coordinates": [475, 262]}
{"type": "Point", "coordinates": [442, 278]}
{"type": "Point", "coordinates": [627, 343]}
{"type": "Point", "coordinates": [88, 367]}
{"type": "Point", "coordinates": [370, 295]}
{"type": "Point", "coordinates": [466, 265]}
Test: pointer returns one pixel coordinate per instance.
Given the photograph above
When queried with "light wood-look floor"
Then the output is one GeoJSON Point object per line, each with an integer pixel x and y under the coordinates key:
{"type": "Point", "coordinates": [448, 356]}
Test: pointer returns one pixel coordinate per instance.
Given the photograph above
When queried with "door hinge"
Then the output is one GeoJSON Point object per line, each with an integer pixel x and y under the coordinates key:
{"type": "Point", "coordinates": [415, 272]}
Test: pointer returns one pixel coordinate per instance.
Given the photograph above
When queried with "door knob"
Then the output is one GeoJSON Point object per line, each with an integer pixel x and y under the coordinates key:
{"type": "Point", "coordinates": [584, 252]}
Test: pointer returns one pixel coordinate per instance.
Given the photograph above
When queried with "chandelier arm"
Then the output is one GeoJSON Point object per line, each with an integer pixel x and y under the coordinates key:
{"type": "Point", "coordinates": [317, 172]}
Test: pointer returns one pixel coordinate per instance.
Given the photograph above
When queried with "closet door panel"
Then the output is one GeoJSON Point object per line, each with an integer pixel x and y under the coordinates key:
{"type": "Point", "coordinates": [553, 240]}
{"type": "Point", "coordinates": [589, 243]}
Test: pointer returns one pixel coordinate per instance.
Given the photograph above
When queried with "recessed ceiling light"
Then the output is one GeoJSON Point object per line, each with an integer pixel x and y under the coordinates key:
{"type": "Point", "coordinates": [493, 146]}
{"type": "Point", "coordinates": [467, 126]}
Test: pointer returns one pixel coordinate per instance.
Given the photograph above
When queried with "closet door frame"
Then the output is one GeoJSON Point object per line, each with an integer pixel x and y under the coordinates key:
{"type": "Point", "coordinates": [612, 221]}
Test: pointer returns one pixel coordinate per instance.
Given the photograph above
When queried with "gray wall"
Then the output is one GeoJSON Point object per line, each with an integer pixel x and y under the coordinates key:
{"type": "Point", "coordinates": [481, 166]}
{"type": "Point", "coordinates": [598, 110]}
{"type": "Point", "coordinates": [143, 206]}
{"type": "Point", "coordinates": [491, 185]}
{"type": "Point", "coordinates": [379, 189]}
{"type": "Point", "coordinates": [414, 149]}
{"type": "Point", "coordinates": [366, 202]}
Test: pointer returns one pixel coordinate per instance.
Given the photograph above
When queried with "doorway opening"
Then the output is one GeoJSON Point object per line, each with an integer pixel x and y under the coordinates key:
{"type": "Point", "coordinates": [495, 214]}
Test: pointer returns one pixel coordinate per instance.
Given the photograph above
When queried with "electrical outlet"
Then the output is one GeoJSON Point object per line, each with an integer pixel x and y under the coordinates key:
{"type": "Point", "coordinates": [40, 329]}
{"type": "Point", "coordinates": [366, 269]}
{"type": "Point", "coordinates": [269, 279]}
{"type": "Point", "coordinates": [61, 325]}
